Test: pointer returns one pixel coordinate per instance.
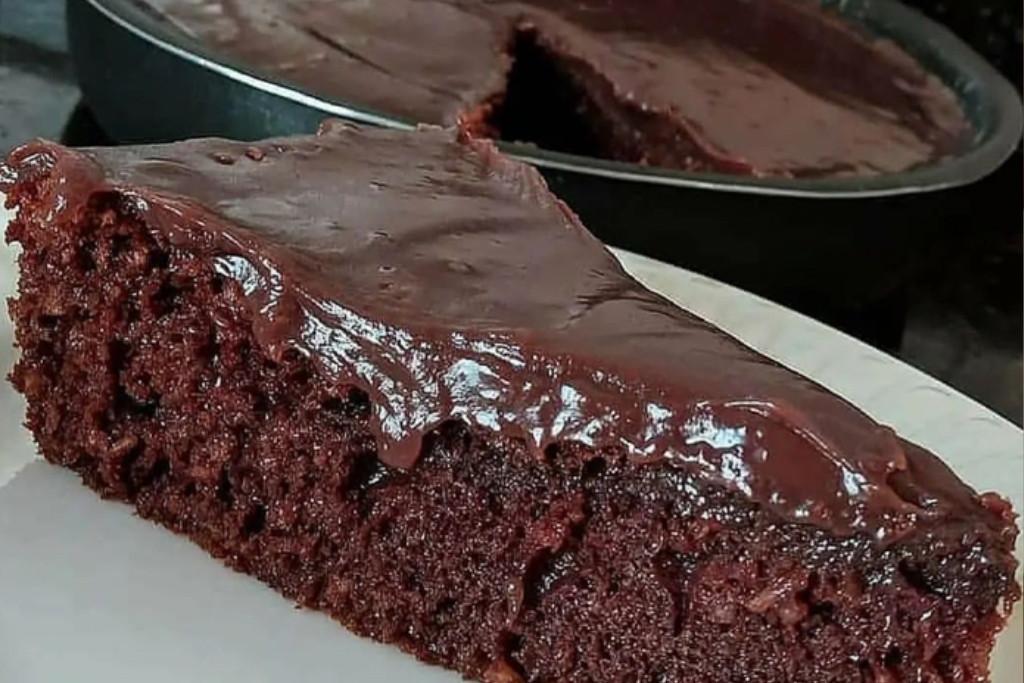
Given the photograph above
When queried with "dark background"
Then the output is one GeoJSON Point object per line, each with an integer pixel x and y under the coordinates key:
{"type": "Point", "coordinates": [964, 318]}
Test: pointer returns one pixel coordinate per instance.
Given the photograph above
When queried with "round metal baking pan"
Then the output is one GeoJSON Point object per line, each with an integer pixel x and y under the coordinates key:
{"type": "Point", "coordinates": [820, 245]}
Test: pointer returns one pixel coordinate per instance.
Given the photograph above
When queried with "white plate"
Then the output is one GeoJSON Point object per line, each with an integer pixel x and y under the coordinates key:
{"type": "Point", "coordinates": [89, 593]}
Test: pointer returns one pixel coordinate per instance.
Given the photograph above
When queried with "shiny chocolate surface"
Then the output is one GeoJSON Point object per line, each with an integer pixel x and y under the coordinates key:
{"type": "Point", "coordinates": [446, 282]}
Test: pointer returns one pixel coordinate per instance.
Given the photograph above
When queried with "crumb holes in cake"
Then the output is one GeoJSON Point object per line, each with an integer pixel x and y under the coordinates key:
{"type": "Point", "coordinates": [893, 658]}
{"type": "Point", "coordinates": [255, 520]}
{"type": "Point", "coordinates": [166, 300]}
{"type": "Point", "coordinates": [594, 468]}
{"type": "Point", "coordinates": [823, 610]}
{"type": "Point", "coordinates": [514, 643]}
{"type": "Point", "coordinates": [494, 505]}
{"type": "Point", "coordinates": [225, 491]}
{"type": "Point", "coordinates": [130, 311]}
{"type": "Point", "coordinates": [551, 454]}
{"type": "Point", "coordinates": [444, 612]}
{"type": "Point", "coordinates": [157, 472]}
{"type": "Point", "coordinates": [217, 284]}
{"type": "Point", "coordinates": [760, 568]}
{"type": "Point", "coordinates": [449, 444]}
{"type": "Point", "coordinates": [916, 578]}
{"type": "Point", "coordinates": [367, 472]}
{"type": "Point", "coordinates": [45, 349]}
{"type": "Point", "coordinates": [359, 403]}
{"type": "Point", "coordinates": [383, 528]}
{"type": "Point", "coordinates": [674, 571]}
{"type": "Point", "coordinates": [120, 458]}
{"type": "Point", "coordinates": [544, 571]}
{"type": "Point", "coordinates": [535, 579]}
{"type": "Point", "coordinates": [47, 322]}
{"type": "Point", "coordinates": [159, 259]}
{"type": "Point", "coordinates": [117, 353]}
{"type": "Point", "coordinates": [125, 403]}
{"type": "Point", "coordinates": [85, 257]}
{"type": "Point", "coordinates": [337, 407]}
{"type": "Point", "coordinates": [147, 407]}
{"type": "Point", "coordinates": [209, 350]}
{"type": "Point", "coordinates": [412, 583]}
{"type": "Point", "coordinates": [119, 245]}
{"type": "Point", "coordinates": [577, 530]}
{"type": "Point", "coordinates": [261, 404]}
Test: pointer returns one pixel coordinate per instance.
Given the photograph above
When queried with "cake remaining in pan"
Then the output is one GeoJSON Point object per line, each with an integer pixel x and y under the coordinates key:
{"type": "Point", "coordinates": [393, 377]}
{"type": "Point", "coordinates": [773, 87]}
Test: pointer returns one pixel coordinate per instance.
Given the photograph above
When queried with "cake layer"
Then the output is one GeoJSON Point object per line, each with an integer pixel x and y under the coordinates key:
{"type": "Point", "coordinates": [774, 87]}
{"type": "Point", "coordinates": [390, 375]}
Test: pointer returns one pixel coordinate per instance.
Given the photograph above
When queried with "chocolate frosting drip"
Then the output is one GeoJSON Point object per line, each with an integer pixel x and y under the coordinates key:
{"type": "Point", "coordinates": [773, 87]}
{"type": "Point", "coordinates": [446, 282]}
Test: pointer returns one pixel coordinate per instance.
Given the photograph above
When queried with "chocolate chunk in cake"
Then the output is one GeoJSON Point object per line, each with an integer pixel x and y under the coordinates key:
{"type": "Point", "coordinates": [773, 87]}
{"type": "Point", "coordinates": [390, 375]}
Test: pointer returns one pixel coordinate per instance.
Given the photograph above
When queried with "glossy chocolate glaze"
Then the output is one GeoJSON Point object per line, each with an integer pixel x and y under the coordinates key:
{"type": "Point", "coordinates": [446, 282]}
{"type": "Point", "coordinates": [773, 87]}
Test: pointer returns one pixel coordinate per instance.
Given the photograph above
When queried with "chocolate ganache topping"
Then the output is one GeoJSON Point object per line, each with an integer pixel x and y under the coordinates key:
{"type": "Point", "coordinates": [446, 282]}
{"type": "Point", "coordinates": [765, 87]}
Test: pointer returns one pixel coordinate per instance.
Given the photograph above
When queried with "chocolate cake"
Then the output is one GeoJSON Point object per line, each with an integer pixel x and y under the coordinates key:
{"type": "Point", "coordinates": [773, 87]}
{"type": "Point", "coordinates": [390, 375]}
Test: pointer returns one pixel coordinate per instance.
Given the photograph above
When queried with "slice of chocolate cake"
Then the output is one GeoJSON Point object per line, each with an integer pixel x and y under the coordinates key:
{"type": "Point", "coordinates": [390, 375]}
{"type": "Point", "coordinates": [772, 87]}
